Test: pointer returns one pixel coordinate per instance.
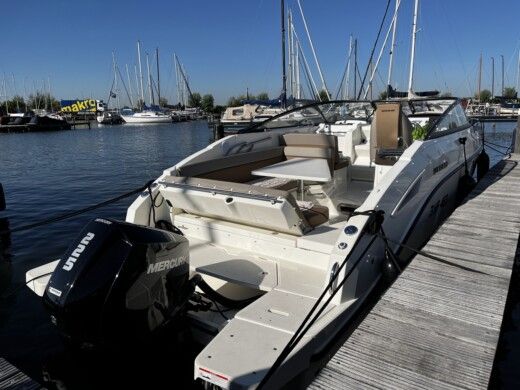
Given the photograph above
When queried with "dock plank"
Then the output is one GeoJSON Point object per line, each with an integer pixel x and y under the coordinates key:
{"type": "Point", "coordinates": [438, 325]}
{"type": "Point", "coordinates": [11, 378]}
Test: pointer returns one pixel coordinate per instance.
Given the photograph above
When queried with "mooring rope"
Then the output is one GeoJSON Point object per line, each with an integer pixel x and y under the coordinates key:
{"type": "Point", "coordinates": [78, 212]}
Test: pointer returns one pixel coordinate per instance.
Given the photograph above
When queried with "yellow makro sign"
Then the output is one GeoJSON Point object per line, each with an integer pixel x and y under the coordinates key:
{"type": "Point", "coordinates": [78, 105]}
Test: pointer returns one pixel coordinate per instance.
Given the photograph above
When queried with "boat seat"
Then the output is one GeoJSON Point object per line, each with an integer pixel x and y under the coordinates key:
{"type": "Point", "coordinates": [236, 167]}
{"type": "Point", "coordinates": [315, 146]}
{"type": "Point", "coordinates": [277, 183]}
{"type": "Point", "coordinates": [246, 204]}
{"type": "Point", "coordinates": [391, 133]}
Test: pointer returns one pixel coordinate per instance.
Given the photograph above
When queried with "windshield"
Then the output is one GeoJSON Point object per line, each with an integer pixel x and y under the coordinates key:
{"type": "Point", "coordinates": [427, 106]}
{"type": "Point", "coordinates": [314, 114]}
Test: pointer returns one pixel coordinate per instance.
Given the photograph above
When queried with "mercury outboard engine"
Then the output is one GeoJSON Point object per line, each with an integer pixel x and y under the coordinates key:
{"type": "Point", "coordinates": [118, 280]}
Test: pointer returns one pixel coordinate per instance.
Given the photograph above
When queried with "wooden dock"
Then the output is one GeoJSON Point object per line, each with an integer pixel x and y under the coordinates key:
{"type": "Point", "coordinates": [13, 379]}
{"type": "Point", "coordinates": [438, 325]}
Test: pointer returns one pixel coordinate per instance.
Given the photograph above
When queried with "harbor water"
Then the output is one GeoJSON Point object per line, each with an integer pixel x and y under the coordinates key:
{"type": "Point", "coordinates": [47, 174]}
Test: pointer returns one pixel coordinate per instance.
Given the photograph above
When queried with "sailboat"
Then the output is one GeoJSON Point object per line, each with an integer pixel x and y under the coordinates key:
{"type": "Point", "coordinates": [147, 115]}
{"type": "Point", "coordinates": [106, 116]}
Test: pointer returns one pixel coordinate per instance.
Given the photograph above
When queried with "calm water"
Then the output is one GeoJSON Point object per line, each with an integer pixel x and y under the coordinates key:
{"type": "Point", "coordinates": [47, 174]}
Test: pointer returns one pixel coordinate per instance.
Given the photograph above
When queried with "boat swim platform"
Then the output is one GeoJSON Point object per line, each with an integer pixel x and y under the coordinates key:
{"type": "Point", "coordinates": [13, 379]}
{"type": "Point", "coordinates": [438, 326]}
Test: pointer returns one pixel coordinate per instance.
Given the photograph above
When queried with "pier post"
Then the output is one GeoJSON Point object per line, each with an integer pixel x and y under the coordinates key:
{"type": "Point", "coordinates": [2, 198]}
{"type": "Point", "coordinates": [218, 131]}
{"type": "Point", "coordinates": [516, 136]}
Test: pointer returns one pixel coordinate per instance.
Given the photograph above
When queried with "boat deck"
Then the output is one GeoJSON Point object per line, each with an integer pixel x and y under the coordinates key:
{"type": "Point", "coordinates": [13, 379]}
{"type": "Point", "coordinates": [438, 326]}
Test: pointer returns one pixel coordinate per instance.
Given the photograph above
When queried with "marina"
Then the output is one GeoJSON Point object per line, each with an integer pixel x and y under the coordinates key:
{"type": "Point", "coordinates": [262, 197]}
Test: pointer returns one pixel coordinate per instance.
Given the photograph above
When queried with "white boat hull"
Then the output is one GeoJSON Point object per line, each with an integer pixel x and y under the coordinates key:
{"type": "Point", "coordinates": [143, 119]}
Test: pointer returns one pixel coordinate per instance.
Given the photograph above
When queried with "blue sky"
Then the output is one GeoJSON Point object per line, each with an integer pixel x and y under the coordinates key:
{"type": "Point", "coordinates": [229, 45]}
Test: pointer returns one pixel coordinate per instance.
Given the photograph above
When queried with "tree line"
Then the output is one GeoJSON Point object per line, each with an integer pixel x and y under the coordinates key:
{"type": "Point", "coordinates": [34, 102]}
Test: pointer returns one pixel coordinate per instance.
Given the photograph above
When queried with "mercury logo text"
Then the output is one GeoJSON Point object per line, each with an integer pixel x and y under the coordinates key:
{"type": "Point", "coordinates": [166, 264]}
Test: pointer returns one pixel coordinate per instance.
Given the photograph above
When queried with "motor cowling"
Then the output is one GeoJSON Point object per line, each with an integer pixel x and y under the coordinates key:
{"type": "Point", "coordinates": [117, 280]}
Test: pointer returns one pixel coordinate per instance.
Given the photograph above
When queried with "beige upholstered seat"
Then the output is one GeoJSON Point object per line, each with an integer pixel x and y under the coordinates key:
{"type": "Point", "coordinates": [236, 168]}
{"type": "Point", "coordinates": [314, 146]}
{"type": "Point", "coordinates": [391, 132]}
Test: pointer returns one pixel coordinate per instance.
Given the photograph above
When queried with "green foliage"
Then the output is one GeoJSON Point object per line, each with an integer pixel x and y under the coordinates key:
{"type": "Point", "coordinates": [419, 132]}
{"type": "Point", "coordinates": [16, 104]}
{"type": "Point", "coordinates": [233, 102]}
{"type": "Point", "coordinates": [383, 95]}
{"type": "Point", "coordinates": [42, 100]}
{"type": "Point", "coordinates": [207, 103]}
{"type": "Point", "coordinates": [510, 93]}
{"type": "Point", "coordinates": [219, 109]}
{"type": "Point", "coordinates": [485, 96]}
{"type": "Point", "coordinates": [195, 100]}
{"type": "Point", "coordinates": [323, 96]}
{"type": "Point", "coordinates": [262, 96]}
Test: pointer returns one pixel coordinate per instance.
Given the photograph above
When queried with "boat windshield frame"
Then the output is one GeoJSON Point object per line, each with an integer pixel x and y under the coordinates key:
{"type": "Point", "coordinates": [261, 126]}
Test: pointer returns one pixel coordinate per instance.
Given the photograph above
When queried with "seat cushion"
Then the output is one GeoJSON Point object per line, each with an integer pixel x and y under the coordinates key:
{"type": "Point", "coordinates": [277, 183]}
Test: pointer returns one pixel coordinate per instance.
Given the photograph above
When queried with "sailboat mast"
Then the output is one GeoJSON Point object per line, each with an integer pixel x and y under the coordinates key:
{"type": "Point", "coordinates": [347, 75]}
{"type": "Point", "coordinates": [16, 94]}
{"type": "Point", "coordinates": [129, 84]}
{"type": "Point", "coordinates": [149, 78]}
{"type": "Point", "coordinates": [479, 77]}
{"type": "Point", "coordinates": [49, 84]}
{"type": "Point", "coordinates": [392, 49]}
{"type": "Point", "coordinates": [355, 69]}
{"type": "Point", "coordinates": [297, 66]}
{"type": "Point", "coordinates": [290, 81]}
{"type": "Point", "coordinates": [284, 77]}
{"type": "Point", "coordinates": [518, 74]}
{"type": "Point", "coordinates": [177, 79]}
{"type": "Point", "coordinates": [158, 80]}
{"type": "Point", "coordinates": [115, 79]}
{"type": "Point", "coordinates": [323, 85]}
{"type": "Point", "coordinates": [412, 54]}
{"type": "Point", "coordinates": [502, 57]}
{"type": "Point", "coordinates": [136, 82]}
{"type": "Point", "coordinates": [140, 70]}
{"type": "Point", "coordinates": [492, 77]}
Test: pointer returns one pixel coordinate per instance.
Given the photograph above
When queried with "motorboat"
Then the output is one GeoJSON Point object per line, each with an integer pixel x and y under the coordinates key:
{"type": "Point", "coordinates": [109, 118]}
{"type": "Point", "coordinates": [240, 117]}
{"type": "Point", "coordinates": [292, 221]}
{"type": "Point", "coordinates": [146, 117]}
{"type": "Point", "coordinates": [31, 121]}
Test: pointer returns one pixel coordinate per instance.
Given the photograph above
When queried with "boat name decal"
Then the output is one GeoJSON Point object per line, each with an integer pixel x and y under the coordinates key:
{"type": "Point", "coordinates": [77, 252]}
{"type": "Point", "coordinates": [166, 264]}
{"type": "Point", "coordinates": [440, 167]}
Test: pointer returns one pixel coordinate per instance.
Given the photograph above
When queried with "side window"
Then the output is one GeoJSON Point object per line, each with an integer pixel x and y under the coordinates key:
{"type": "Point", "coordinates": [454, 119]}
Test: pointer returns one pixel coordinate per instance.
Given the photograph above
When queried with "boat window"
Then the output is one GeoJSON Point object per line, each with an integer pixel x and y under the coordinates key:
{"type": "Point", "coordinates": [314, 114]}
{"type": "Point", "coordinates": [239, 111]}
{"type": "Point", "coordinates": [453, 119]}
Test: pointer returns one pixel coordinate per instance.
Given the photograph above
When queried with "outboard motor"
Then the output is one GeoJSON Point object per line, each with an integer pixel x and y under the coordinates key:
{"type": "Point", "coordinates": [119, 280]}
